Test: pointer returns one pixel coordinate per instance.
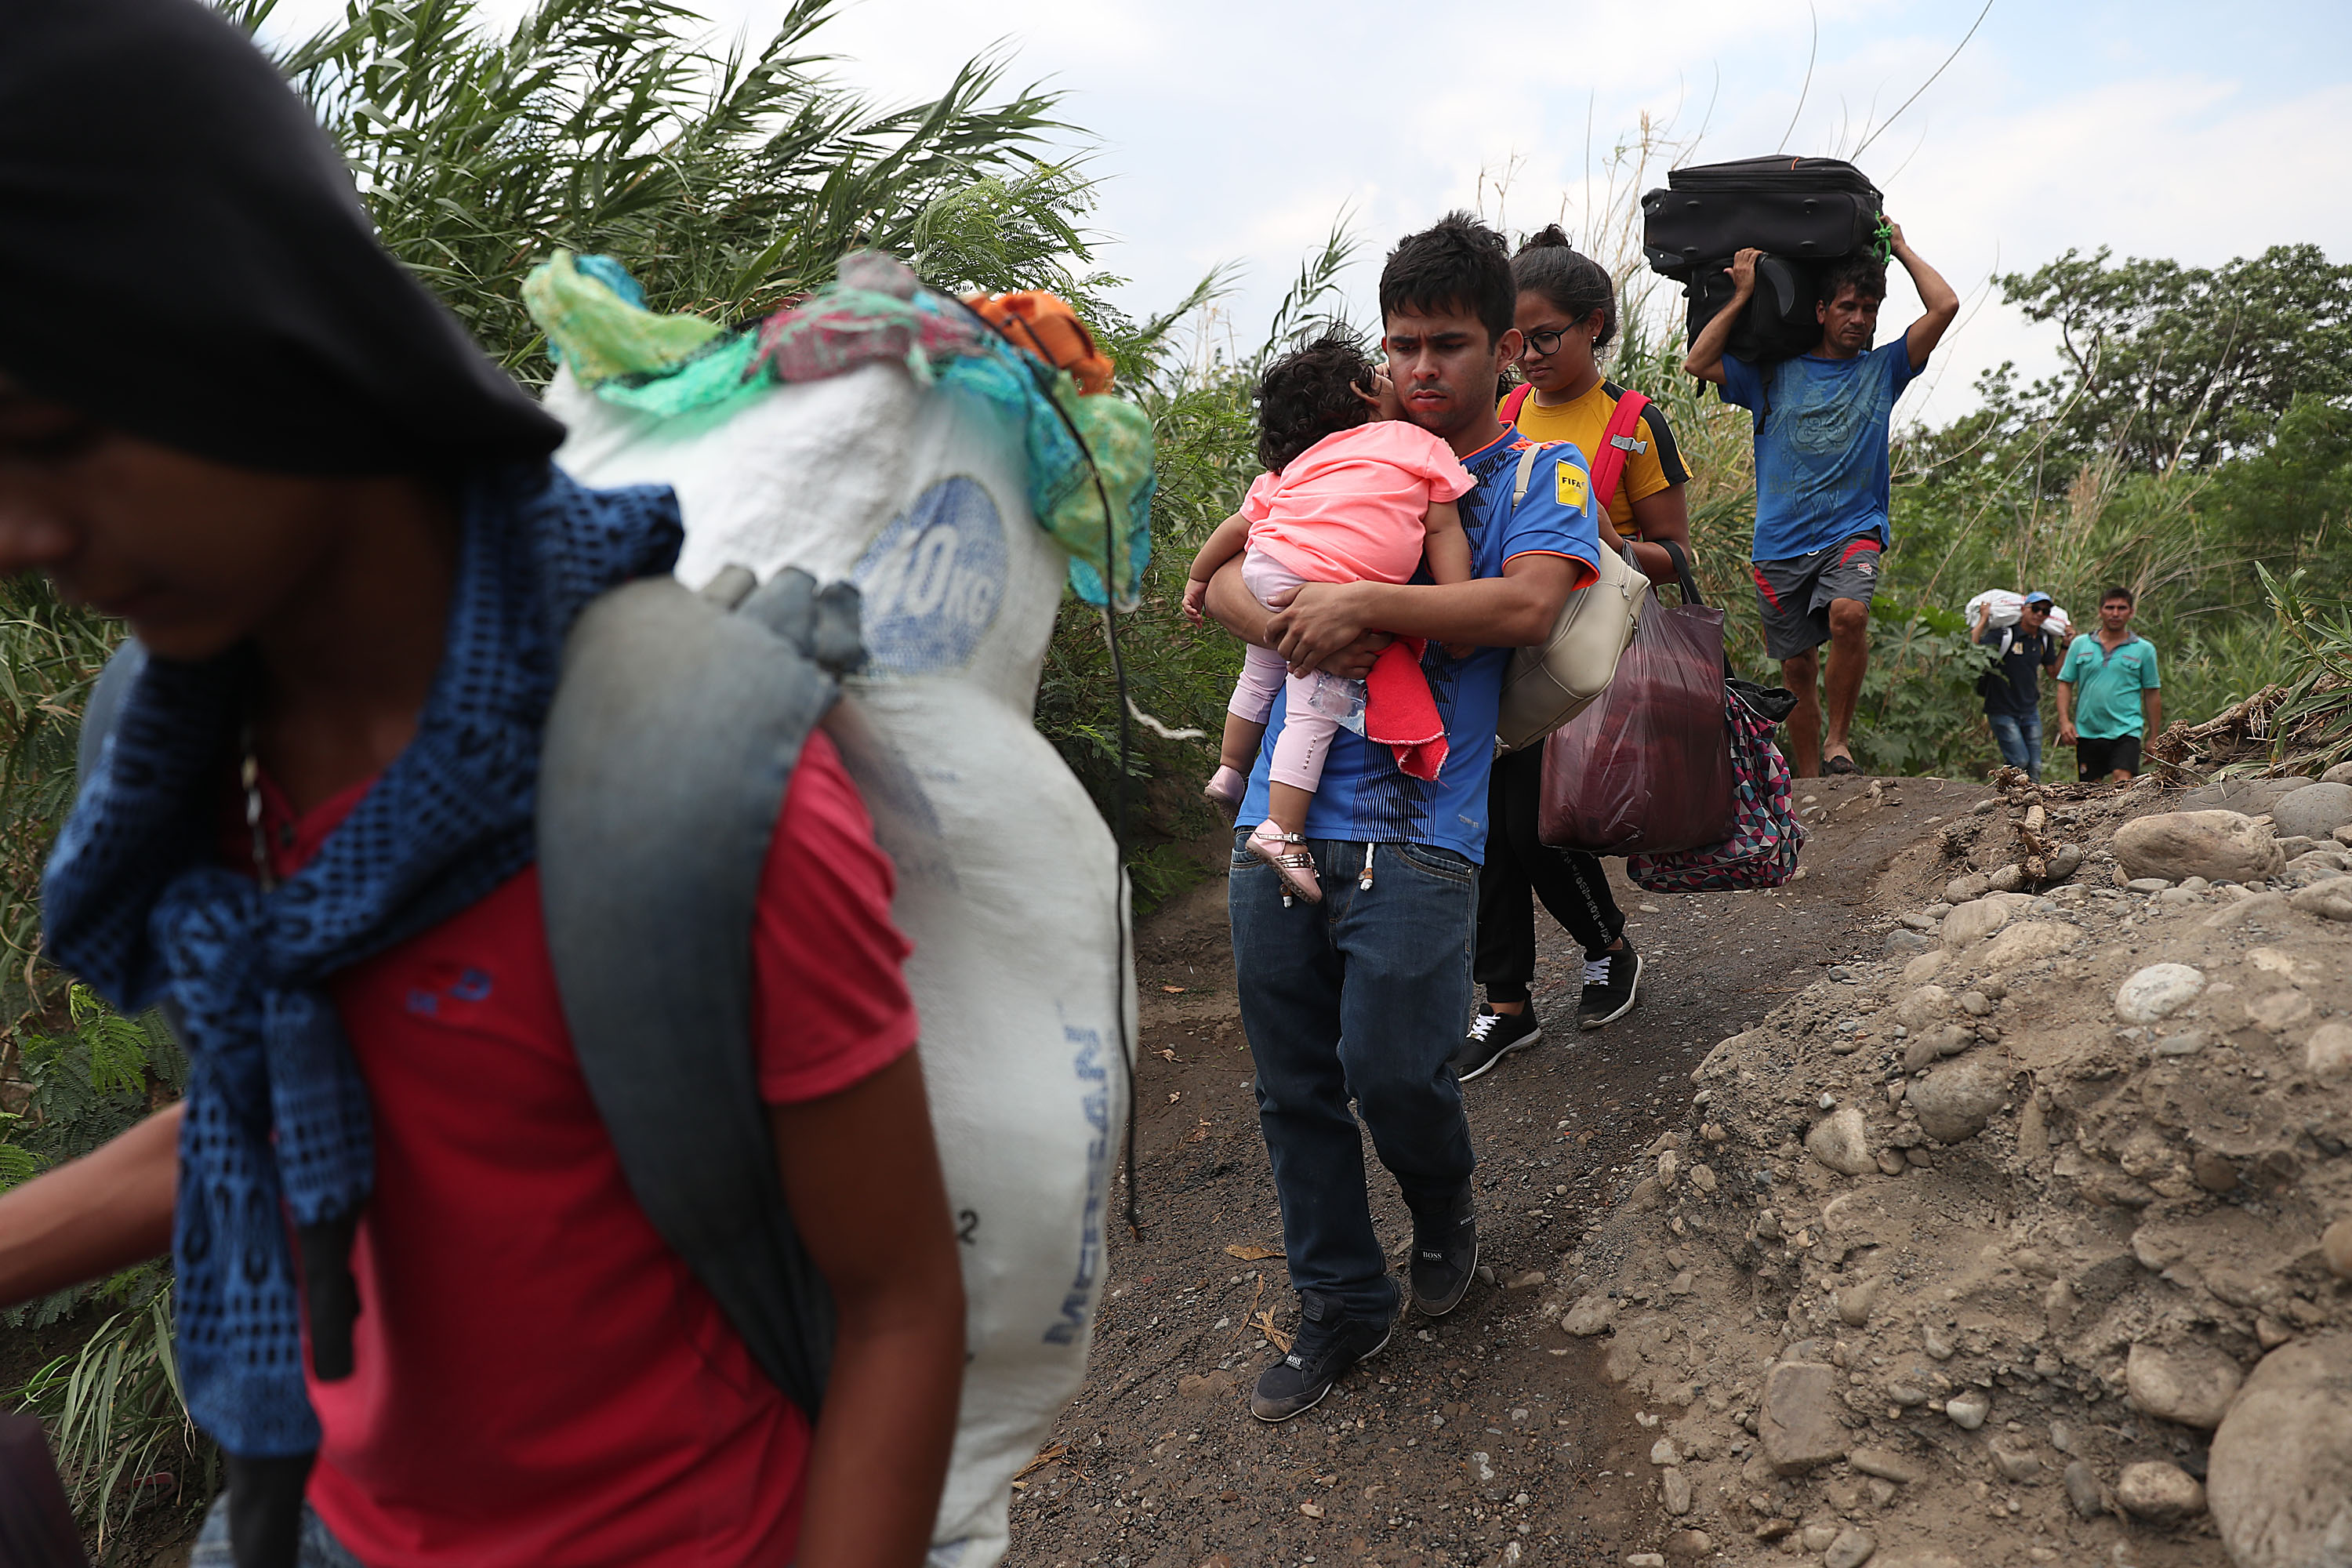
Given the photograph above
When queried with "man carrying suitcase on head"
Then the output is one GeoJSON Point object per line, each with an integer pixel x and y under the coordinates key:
{"type": "Point", "coordinates": [1821, 477]}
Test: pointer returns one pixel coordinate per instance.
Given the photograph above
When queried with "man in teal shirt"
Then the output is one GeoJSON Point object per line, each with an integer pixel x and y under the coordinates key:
{"type": "Point", "coordinates": [2108, 699]}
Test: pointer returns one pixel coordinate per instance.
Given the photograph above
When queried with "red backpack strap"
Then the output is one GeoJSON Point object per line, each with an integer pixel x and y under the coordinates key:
{"type": "Point", "coordinates": [1608, 463]}
{"type": "Point", "coordinates": [1514, 401]}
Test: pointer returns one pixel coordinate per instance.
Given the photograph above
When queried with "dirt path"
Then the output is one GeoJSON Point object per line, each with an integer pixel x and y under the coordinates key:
{"type": "Point", "coordinates": [1492, 1427]}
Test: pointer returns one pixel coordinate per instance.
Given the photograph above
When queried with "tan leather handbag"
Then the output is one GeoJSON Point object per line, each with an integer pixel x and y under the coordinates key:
{"type": "Point", "coordinates": [1553, 681]}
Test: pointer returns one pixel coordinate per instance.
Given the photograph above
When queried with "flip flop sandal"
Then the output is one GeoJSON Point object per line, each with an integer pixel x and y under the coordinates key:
{"type": "Point", "coordinates": [1840, 766]}
{"type": "Point", "coordinates": [1295, 866]}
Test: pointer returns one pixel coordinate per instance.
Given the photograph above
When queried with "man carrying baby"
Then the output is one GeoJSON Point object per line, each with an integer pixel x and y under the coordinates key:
{"type": "Point", "coordinates": [1364, 995]}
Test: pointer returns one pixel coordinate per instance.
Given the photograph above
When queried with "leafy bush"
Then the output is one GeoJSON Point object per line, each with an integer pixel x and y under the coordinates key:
{"type": "Point", "coordinates": [1919, 709]}
{"type": "Point", "coordinates": [74, 1089]}
{"type": "Point", "coordinates": [1199, 399]}
{"type": "Point", "coordinates": [49, 653]}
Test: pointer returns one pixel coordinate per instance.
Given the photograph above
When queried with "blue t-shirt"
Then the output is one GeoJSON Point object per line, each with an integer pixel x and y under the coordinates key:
{"type": "Point", "coordinates": [1820, 446]}
{"type": "Point", "coordinates": [1364, 796]}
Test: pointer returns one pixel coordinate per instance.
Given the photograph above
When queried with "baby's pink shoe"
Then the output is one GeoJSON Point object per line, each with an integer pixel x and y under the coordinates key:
{"type": "Point", "coordinates": [1295, 866]}
{"type": "Point", "coordinates": [1226, 786]}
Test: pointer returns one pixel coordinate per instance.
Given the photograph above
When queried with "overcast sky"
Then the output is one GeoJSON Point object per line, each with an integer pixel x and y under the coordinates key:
{"type": "Point", "coordinates": [1235, 131]}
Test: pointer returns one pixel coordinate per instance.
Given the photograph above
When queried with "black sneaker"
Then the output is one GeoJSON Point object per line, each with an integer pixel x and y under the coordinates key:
{"type": "Point", "coordinates": [1609, 982]}
{"type": "Point", "coordinates": [1493, 1036]}
{"type": "Point", "coordinates": [1444, 1255]}
{"type": "Point", "coordinates": [1328, 1344]}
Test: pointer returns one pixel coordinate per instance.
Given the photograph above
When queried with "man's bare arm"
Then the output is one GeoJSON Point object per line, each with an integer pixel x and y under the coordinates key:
{"type": "Point", "coordinates": [91, 1216]}
{"type": "Point", "coordinates": [878, 1229]}
{"type": "Point", "coordinates": [1233, 607]}
{"type": "Point", "coordinates": [2151, 710]}
{"type": "Point", "coordinates": [1706, 358]}
{"type": "Point", "coordinates": [1943, 303]}
{"type": "Point", "coordinates": [1513, 610]}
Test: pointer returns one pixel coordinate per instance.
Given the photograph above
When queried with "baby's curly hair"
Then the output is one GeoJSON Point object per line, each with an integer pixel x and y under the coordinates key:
{"type": "Point", "coordinates": [1309, 394]}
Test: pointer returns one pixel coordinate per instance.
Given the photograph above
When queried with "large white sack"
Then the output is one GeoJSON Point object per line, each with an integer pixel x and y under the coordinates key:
{"type": "Point", "coordinates": [2001, 606]}
{"type": "Point", "coordinates": [1008, 882]}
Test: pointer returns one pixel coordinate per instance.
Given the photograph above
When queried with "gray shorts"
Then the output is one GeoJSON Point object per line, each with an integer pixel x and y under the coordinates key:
{"type": "Point", "coordinates": [1793, 596]}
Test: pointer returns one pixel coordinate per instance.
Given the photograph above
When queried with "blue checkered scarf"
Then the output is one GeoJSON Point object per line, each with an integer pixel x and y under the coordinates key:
{"type": "Point", "coordinates": [140, 904]}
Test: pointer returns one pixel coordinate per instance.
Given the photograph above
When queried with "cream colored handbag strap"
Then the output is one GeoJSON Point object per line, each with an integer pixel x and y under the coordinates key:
{"type": "Point", "coordinates": [1527, 470]}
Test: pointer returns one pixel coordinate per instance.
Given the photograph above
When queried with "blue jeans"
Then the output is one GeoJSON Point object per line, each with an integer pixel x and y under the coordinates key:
{"type": "Point", "coordinates": [2019, 736]}
{"type": "Point", "coordinates": [1363, 997]}
{"type": "Point", "coordinates": [317, 1548]}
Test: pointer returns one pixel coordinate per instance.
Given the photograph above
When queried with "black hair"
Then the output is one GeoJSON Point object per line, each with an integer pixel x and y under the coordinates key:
{"type": "Point", "coordinates": [1864, 274]}
{"type": "Point", "coordinates": [2118, 592]}
{"type": "Point", "coordinates": [292, 341]}
{"type": "Point", "coordinates": [1575, 284]}
{"type": "Point", "coordinates": [1461, 265]}
{"type": "Point", "coordinates": [1309, 394]}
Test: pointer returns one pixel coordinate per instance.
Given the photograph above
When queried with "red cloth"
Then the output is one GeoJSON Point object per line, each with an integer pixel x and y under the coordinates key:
{"type": "Point", "coordinates": [1398, 712]}
{"type": "Point", "coordinates": [539, 1383]}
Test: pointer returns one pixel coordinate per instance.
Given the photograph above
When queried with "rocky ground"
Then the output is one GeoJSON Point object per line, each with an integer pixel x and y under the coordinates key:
{"type": "Point", "coordinates": [2043, 1232]}
{"type": "Point", "coordinates": [1996, 1229]}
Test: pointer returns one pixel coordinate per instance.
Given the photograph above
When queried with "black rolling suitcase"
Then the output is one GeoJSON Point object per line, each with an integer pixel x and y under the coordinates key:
{"type": "Point", "coordinates": [1802, 209]}
{"type": "Point", "coordinates": [1800, 212]}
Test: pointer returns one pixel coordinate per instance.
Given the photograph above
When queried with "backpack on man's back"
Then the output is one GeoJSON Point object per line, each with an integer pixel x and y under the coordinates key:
{"type": "Point", "coordinates": [1800, 212]}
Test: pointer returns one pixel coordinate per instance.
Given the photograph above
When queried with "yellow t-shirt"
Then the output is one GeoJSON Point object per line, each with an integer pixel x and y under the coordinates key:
{"type": "Point", "coordinates": [1647, 471]}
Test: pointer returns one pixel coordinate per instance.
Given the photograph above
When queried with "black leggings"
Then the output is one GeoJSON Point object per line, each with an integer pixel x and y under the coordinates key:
{"type": "Point", "coordinates": [1570, 883]}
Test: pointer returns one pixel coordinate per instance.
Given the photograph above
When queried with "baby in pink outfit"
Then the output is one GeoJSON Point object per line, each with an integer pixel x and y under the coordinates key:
{"type": "Point", "coordinates": [1347, 497]}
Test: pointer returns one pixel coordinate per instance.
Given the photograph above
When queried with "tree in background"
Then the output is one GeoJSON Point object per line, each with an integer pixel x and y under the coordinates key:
{"type": "Point", "coordinates": [726, 181]}
{"type": "Point", "coordinates": [2169, 365]}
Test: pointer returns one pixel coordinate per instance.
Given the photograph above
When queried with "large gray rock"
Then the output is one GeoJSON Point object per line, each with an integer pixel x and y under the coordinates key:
{"type": "Point", "coordinates": [1954, 1102]}
{"type": "Point", "coordinates": [2330, 899]}
{"type": "Point", "coordinates": [2157, 992]}
{"type": "Point", "coordinates": [2340, 773]}
{"type": "Point", "coordinates": [2313, 812]}
{"type": "Point", "coordinates": [2279, 1483]}
{"type": "Point", "coordinates": [1797, 1420]}
{"type": "Point", "coordinates": [1591, 1315]}
{"type": "Point", "coordinates": [2335, 1246]}
{"type": "Point", "coordinates": [2191, 1385]}
{"type": "Point", "coordinates": [2253, 796]}
{"type": "Point", "coordinates": [2159, 1493]}
{"type": "Point", "coordinates": [1853, 1547]}
{"type": "Point", "coordinates": [2025, 943]}
{"type": "Point", "coordinates": [1842, 1142]}
{"type": "Point", "coordinates": [1924, 1008]}
{"type": "Point", "coordinates": [2219, 846]}
{"type": "Point", "coordinates": [1973, 921]}
{"type": "Point", "coordinates": [2083, 1492]}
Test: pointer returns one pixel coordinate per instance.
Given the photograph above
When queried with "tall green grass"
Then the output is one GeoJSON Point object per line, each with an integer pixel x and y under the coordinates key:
{"type": "Point", "coordinates": [118, 1422]}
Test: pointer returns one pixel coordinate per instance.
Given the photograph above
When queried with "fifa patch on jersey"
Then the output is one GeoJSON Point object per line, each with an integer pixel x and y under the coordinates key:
{"type": "Point", "coordinates": [1573, 487]}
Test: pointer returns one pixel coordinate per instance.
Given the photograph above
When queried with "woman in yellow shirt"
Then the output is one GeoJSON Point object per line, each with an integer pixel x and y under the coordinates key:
{"type": "Point", "coordinates": [1567, 314]}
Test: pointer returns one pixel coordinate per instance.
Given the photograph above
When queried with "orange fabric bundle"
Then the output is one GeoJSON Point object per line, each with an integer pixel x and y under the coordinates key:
{"type": "Point", "coordinates": [1046, 326]}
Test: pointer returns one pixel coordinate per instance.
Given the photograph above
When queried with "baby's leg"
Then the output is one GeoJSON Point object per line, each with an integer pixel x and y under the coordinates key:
{"type": "Point", "coordinates": [1298, 756]}
{"type": "Point", "coordinates": [1263, 673]}
{"type": "Point", "coordinates": [1252, 700]}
